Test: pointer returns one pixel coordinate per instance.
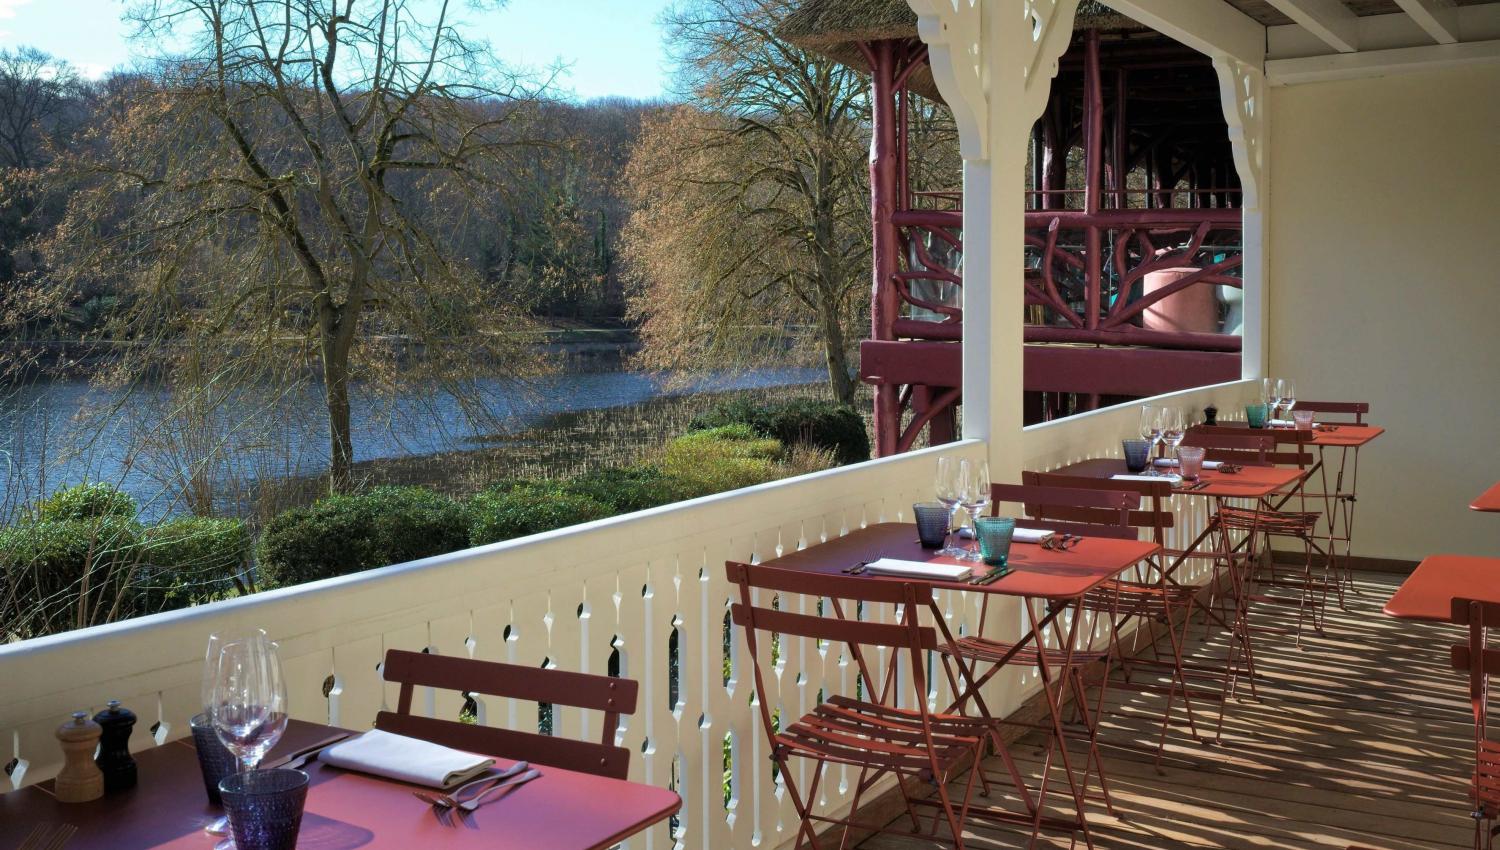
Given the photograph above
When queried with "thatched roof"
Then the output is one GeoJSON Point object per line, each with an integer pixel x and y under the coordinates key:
{"type": "Point", "coordinates": [834, 28]}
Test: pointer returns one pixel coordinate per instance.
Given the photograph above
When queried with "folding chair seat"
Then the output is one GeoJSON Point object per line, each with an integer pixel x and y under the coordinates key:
{"type": "Point", "coordinates": [849, 731]}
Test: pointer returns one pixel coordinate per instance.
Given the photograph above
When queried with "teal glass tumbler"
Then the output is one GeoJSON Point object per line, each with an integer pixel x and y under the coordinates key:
{"type": "Point", "coordinates": [995, 533]}
{"type": "Point", "coordinates": [1255, 415]}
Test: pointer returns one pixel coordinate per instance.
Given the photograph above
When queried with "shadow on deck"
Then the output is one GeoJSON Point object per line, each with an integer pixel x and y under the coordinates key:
{"type": "Point", "coordinates": [1361, 737]}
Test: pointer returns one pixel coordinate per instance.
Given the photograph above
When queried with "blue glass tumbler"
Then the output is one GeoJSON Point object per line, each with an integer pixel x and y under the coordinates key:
{"type": "Point", "coordinates": [265, 807]}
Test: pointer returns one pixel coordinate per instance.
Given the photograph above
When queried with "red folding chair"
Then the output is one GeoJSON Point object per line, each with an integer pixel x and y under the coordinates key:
{"type": "Point", "coordinates": [1082, 511]}
{"type": "Point", "coordinates": [1341, 502]}
{"type": "Point", "coordinates": [1354, 409]}
{"type": "Point", "coordinates": [608, 694]}
{"type": "Point", "coordinates": [879, 739]}
{"type": "Point", "coordinates": [1480, 662]}
{"type": "Point", "coordinates": [1270, 518]}
{"type": "Point", "coordinates": [1154, 597]}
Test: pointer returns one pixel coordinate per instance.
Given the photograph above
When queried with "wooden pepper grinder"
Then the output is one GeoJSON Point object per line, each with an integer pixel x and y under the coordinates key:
{"type": "Point", "coordinates": [114, 759]}
{"type": "Point", "coordinates": [80, 780]}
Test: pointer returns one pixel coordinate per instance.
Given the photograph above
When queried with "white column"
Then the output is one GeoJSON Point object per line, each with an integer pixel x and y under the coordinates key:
{"type": "Point", "coordinates": [1242, 94]}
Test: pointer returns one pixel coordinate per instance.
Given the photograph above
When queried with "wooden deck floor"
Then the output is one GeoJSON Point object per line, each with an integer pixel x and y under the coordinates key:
{"type": "Point", "coordinates": [1361, 737]}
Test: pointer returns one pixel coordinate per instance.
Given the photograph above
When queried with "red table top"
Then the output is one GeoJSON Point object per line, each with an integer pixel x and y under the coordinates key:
{"type": "Point", "coordinates": [1428, 593]}
{"type": "Point", "coordinates": [562, 809]}
{"type": "Point", "coordinates": [1251, 482]}
{"type": "Point", "coordinates": [1035, 572]}
{"type": "Point", "coordinates": [1348, 436]}
{"type": "Point", "coordinates": [1489, 500]}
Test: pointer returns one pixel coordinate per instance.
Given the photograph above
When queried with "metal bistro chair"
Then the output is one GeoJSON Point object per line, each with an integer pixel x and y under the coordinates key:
{"type": "Point", "coordinates": [1341, 501]}
{"type": "Point", "coordinates": [1153, 596]}
{"type": "Point", "coordinates": [1481, 662]}
{"type": "Point", "coordinates": [609, 694]}
{"type": "Point", "coordinates": [909, 743]}
{"type": "Point", "coordinates": [1270, 518]}
{"type": "Point", "coordinates": [1072, 510]}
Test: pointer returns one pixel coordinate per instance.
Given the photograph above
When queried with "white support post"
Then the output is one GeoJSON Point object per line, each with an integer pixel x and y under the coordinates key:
{"type": "Point", "coordinates": [1242, 94]}
{"type": "Point", "coordinates": [994, 62]}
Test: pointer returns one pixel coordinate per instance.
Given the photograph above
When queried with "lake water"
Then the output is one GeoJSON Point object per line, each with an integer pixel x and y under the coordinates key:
{"type": "Point", "coordinates": [43, 445]}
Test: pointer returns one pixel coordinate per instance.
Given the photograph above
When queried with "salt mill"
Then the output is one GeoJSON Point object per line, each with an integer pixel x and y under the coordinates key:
{"type": "Point", "coordinates": [79, 781]}
{"type": "Point", "coordinates": [114, 759]}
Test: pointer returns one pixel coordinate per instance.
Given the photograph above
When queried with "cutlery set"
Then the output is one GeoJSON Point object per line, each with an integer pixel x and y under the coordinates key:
{"type": "Point", "coordinates": [517, 774]}
{"type": "Point", "coordinates": [48, 836]}
{"type": "Point", "coordinates": [1062, 542]}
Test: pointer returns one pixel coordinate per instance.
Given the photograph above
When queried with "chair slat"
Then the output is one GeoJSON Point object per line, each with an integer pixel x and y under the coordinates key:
{"type": "Point", "coordinates": [550, 750]}
{"type": "Point", "coordinates": [562, 687]}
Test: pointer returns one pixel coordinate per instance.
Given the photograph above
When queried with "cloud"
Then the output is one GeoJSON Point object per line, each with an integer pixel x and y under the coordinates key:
{"type": "Point", "coordinates": [8, 10]}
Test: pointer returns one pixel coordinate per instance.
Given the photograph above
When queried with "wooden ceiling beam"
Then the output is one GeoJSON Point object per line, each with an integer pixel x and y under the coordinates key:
{"type": "Point", "coordinates": [1329, 20]}
{"type": "Point", "coordinates": [1438, 18]}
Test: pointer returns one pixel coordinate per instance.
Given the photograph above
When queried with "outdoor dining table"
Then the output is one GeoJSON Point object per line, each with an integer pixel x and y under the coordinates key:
{"type": "Point", "coordinates": [1049, 583]}
{"type": "Point", "coordinates": [1254, 483]}
{"type": "Point", "coordinates": [562, 809]}
{"type": "Point", "coordinates": [1341, 497]}
{"type": "Point", "coordinates": [1428, 593]}
{"type": "Point", "coordinates": [1488, 501]}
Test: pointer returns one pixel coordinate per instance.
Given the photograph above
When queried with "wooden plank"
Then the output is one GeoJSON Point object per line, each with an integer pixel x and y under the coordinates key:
{"type": "Point", "coordinates": [1359, 737]}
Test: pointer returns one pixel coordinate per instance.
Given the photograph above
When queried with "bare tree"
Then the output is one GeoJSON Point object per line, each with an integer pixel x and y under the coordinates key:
{"type": "Point", "coordinates": [35, 91]}
{"type": "Point", "coordinates": [278, 195]}
{"type": "Point", "coordinates": [751, 214]}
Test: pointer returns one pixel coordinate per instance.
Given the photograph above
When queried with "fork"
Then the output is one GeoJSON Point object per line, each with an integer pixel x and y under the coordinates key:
{"type": "Point", "coordinates": [477, 800]}
{"type": "Point", "coordinates": [46, 836]}
{"type": "Point", "coordinates": [449, 800]}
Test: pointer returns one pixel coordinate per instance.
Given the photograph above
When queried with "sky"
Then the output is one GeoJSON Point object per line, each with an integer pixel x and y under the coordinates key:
{"type": "Point", "coordinates": [611, 47]}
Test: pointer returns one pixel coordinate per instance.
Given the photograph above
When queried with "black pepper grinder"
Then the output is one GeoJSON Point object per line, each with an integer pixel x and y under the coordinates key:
{"type": "Point", "coordinates": [114, 747]}
{"type": "Point", "coordinates": [1210, 415]}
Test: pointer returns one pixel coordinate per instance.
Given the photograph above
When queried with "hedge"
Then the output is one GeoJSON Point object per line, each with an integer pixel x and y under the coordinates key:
{"type": "Point", "coordinates": [42, 569]}
{"type": "Point", "coordinates": [190, 560]}
{"type": "Point", "coordinates": [516, 510]}
{"type": "Point", "coordinates": [828, 425]}
{"type": "Point", "coordinates": [346, 534]}
{"type": "Point", "coordinates": [86, 501]}
{"type": "Point", "coordinates": [630, 488]}
{"type": "Point", "coordinates": [720, 459]}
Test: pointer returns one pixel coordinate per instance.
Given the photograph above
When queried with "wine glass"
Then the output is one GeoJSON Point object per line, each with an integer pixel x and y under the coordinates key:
{"type": "Point", "coordinates": [1173, 428]}
{"type": "Point", "coordinates": [1151, 430]}
{"type": "Point", "coordinates": [1287, 394]}
{"type": "Point", "coordinates": [950, 494]}
{"type": "Point", "coordinates": [248, 701]}
{"type": "Point", "coordinates": [975, 494]}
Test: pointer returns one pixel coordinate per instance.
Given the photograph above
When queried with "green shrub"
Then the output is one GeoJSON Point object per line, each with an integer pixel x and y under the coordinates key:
{"type": "Point", "coordinates": [190, 560]}
{"type": "Point", "coordinates": [628, 489]}
{"type": "Point", "coordinates": [57, 575]}
{"type": "Point", "coordinates": [828, 425]}
{"type": "Point", "coordinates": [86, 501]}
{"type": "Point", "coordinates": [346, 534]}
{"type": "Point", "coordinates": [508, 512]}
{"type": "Point", "coordinates": [720, 459]}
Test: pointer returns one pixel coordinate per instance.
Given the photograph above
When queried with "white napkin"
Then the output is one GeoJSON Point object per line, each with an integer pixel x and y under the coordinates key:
{"type": "Point", "coordinates": [1175, 479]}
{"type": "Point", "coordinates": [1031, 535]}
{"type": "Point", "coordinates": [406, 759]}
{"type": "Point", "coordinates": [917, 569]}
{"type": "Point", "coordinates": [1289, 423]}
{"type": "Point", "coordinates": [1172, 462]}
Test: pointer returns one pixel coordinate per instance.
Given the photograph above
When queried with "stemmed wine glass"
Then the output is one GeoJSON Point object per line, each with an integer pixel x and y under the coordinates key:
{"type": "Point", "coordinates": [1173, 428]}
{"type": "Point", "coordinates": [1151, 430]}
{"type": "Point", "coordinates": [1286, 395]}
{"type": "Point", "coordinates": [248, 701]}
{"type": "Point", "coordinates": [950, 493]}
{"type": "Point", "coordinates": [975, 494]}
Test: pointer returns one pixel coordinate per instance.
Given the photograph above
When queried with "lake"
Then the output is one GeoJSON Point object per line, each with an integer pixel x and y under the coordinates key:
{"type": "Point", "coordinates": [44, 445]}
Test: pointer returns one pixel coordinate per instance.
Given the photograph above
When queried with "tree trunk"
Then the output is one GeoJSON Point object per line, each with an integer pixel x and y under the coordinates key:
{"type": "Point", "coordinates": [839, 379]}
{"type": "Point", "coordinates": [340, 441]}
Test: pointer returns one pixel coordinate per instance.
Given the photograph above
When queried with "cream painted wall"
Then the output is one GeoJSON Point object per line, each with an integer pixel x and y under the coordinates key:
{"type": "Point", "coordinates": [1385, 287]}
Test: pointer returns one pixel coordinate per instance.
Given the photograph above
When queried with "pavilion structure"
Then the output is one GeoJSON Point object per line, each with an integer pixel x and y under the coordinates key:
{"type": "Point", "coordinates": [1133, 241]}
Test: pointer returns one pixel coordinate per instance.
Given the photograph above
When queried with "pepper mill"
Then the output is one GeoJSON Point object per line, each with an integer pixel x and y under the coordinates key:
{"type": "Point", "coordinates": [1210, 415]}
{"type": "Point", "coordinates": [114, 759]}
{"type": "Point", "coordinates": [79, 781]}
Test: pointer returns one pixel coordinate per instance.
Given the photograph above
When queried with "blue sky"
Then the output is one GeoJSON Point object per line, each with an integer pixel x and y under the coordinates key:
{"type": "Point", "coordinates": [613, 47]}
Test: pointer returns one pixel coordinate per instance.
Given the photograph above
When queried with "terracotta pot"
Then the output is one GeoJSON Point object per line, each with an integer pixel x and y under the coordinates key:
{"type": "Point", "coordinates": [1195, 309]}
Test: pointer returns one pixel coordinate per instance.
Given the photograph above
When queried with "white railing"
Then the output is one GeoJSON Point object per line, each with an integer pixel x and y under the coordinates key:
{"type": "Point", "coordinates": [634, 585]}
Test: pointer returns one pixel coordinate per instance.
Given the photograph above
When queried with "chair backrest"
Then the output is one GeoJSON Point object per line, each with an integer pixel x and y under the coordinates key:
{"type": "Point", "coordinates": [1290, 446]}
{"type": "Point", "coordinates": [1075, 510]}
{"type": "Point", "coordinates": [1476, 658]}
{"type": "Point", "coordinates": [1356, 409]}
{"type": "Point", "coordinates": [1154, 495]}
{"type": "Point", "coordinates": [1228, 448]}
{"type": "Point", "coordinates": [612, 695]}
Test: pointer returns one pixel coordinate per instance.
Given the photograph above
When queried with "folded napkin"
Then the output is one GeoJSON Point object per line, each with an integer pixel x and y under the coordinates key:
{"type": "Point", "coordinates": [917, 569]}
{"type": "Point", "coordinates": [1172, 462]}
{"type": "Point", "coordinates": [1289, 423]}
{"type": "Point", "coordinates": [1175, 479]}
{"type": "Point", "coordinates": [406, 759]}
{"type": "Point", "coordinates": [1031, 535]}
